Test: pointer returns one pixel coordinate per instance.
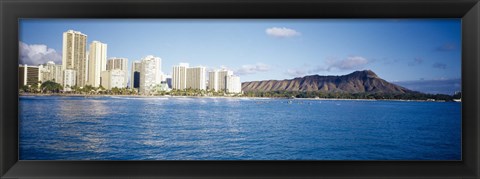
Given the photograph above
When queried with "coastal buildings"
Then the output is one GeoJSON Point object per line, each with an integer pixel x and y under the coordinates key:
{"type": "Point", "coordinates": [195, 78]}
{"type": "Point", "coordinates": [74, 55]}
{"type": "Point", "coordinates": [81, 67]}
{"type": "Point", "coordinates": [224, 80]}
{"type": "Point", "coordinates": [69, 79]}
{"type": "Point", "coordinates": [179, 76]}
{"type": "Point", "coordinates": [28, 75]}
{"type": "Point", "coordinates": [114, 78]}
{"type": "Point", "coordinates": [135, 75]}
{"type": "Point", "coordinates": [97, 59]}
{"type": "Point", "coordinates": [213, 80]}
{"type": "Point", "coordinates": [233, 84]}
{"type": "Point", "coordinates": [222, 76]}
{"type": "Point", "coordinates": [185, 77]}
{"type": "Point", "coordinates": [118, 64]}
{"type": "Point", "coordinates": [150, 74]}
{"type": "Point", "coordinates": [51, 72]}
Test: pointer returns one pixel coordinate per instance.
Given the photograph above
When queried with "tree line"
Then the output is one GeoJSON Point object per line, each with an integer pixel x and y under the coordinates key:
{"type": "Point", "coordinates": [49, 87]}
{"type": "Point", "coordinates": [343, 95]}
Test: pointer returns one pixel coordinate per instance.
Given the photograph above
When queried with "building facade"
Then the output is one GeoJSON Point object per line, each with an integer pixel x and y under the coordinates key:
{"type": "Point", "coordinates": [222, 76]}
{"type": "Point", "coordinates": [74, 56]}
{"type": "Point", "coordinates": [29, 75]}
{"type": "Point", "coordinates": [118, 64]}
{"type": "Point", "coordinates": [97, 59]}
{"type": "Point", "coordinates": [179, 76]}
{"type": "Point", "coordinates": [51, 72]}
{"type": "Point", "coordinates": [69, 79]}
{"type": "Point", "coordinates": [213, 80]}
{"type": "Point", "coordinates": [196, 78]}
{"type": "Point", "coordinates": [113, 79]}
{"type": "Point", "coordinates": [150, 74]}
{"type": "Point", "coordinates": [233, 84]}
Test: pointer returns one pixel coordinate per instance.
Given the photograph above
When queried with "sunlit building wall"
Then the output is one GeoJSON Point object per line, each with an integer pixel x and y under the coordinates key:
{"type": "Point", "coordinates": [118, 64]}
{"type": "Point", "coordinates": [51, 72]}
{"type": "Point", "coordinates": [196, 78]}
{"type": "Point", "coordinates": [69, 79]}
{"type": "Point", "coordinates": [213, 80]}
{"type": "Point", "coordinates": [74, 56]}
{"type": "Point", "coordinates": [222, 76]}
{"type": "Point", "coordinates": [150, 74]}
{"type": "Point", "coordinates": [233, 84]}
{"type": "Point", "coordinates": [179, 76]}
{"type": "Point", "coordinates": [97, 59]}
{"type": "Point", "coordinates": [113, 79]}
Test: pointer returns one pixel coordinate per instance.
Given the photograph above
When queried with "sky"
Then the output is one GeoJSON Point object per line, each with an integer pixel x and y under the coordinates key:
{"type": "Point", "coordinates": [403, 51]}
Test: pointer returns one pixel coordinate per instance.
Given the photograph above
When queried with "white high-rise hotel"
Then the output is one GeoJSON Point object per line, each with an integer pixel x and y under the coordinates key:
{"type": "Point", "coordinates": [179, 76]}
{"type": "Point", "coordinates": [74, 56]}
{"type": "Point", "coordinates": [224, 80]}
{"type": "Point", "coordinates": [185, 77]}
{"type": "Point", "coordinates": [96, 62]}
{"type": "Point", "coordinates": [119, 64]}
{"type": "Point", "coordinates": [150, 74]}
{"type": "Point", "coordinates": [196, 78]}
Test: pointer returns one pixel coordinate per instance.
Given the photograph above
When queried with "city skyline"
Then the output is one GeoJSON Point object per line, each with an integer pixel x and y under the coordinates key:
{"type": "Point", "coordinates": [396, 49]}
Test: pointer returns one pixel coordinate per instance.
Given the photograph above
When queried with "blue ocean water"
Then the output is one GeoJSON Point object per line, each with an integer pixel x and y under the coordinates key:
{"type": "Point", "coordinates": [128, 128]}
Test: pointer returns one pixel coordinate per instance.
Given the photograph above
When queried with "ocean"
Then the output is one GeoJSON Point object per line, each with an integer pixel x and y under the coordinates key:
{"type": "Point", "coordinates": [184, 128]}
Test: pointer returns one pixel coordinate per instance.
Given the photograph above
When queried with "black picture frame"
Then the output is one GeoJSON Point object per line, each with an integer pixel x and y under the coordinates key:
{"type": "Point", "coordinates": [468, 10]}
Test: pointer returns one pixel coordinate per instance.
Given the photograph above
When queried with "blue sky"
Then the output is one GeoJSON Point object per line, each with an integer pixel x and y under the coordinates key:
{"type": "Point", "coordinates": [395, 49]}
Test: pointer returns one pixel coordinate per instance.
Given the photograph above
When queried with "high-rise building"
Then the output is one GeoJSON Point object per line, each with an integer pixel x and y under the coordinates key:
{"type": "Point", "coordinates": [213, 80]}
{"type": "Point", "coordinates": [179, 76]}
{"type": "Point", "coordinates": [51, 72]}
{"type": "Point", "coordinates": [233, 84]}
{"type": "Point", "coordinates": [118, 64]}
{"type": "Point", "coordinates": [135, 76]}
{"type": "Point", "coordinates": [74, 56]}
{"type": "Point", "coordinates": [222, 76]}
{"type": "Point", "coordinates": [29, 75]}
{"type": "Point", "coordinates": [196, 78]}
{"type": "Point", "coordinates": [150, 74]}
{"type": "Point", "coordinates": [69, 79]}
{"type": "Point", "coordinates": [97, 59]}
{"type": "Point", "coordinates": [113, 79]}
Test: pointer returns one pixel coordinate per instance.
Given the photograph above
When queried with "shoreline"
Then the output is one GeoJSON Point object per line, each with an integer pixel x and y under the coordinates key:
{"type": "Point", "coordinates": [224, 97]}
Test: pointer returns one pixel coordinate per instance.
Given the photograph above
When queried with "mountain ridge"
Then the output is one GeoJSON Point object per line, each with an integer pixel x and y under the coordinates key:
{"type": "Point", "coordinates": [365, 81]}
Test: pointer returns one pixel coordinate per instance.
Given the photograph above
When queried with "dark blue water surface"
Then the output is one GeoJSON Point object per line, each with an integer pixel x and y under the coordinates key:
{"type": "Point", "coordinates": [127, 128]}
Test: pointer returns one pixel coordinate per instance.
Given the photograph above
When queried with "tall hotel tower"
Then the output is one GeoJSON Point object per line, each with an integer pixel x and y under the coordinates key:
{"type": "Point", "coordinates": [179, 76]}
{"type": "Point", "coordinates": [118, 64]}
{"type": "Point", "coordinates": [196, 78]}
{"type": "Point", "coordinates": [74, 56]}
{"type": "Point", "coordinates": [222, 79]}
{"type": "Point", "coordinates": [135, 76]}
{"type": "Point", "coordinates": [213, 80]}
{"type": "Point", "coordinates": [150, 74]}
{"type": "Point", "coordinates": [97, 62]}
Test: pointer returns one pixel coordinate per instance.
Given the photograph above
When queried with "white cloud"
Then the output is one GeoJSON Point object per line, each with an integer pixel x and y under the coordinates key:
{"type": "Point", "coordinates": [296, 72]}
{"type": "Point", "coordinates": [252, 69]}
{"type": "Point", "coordinates": [281, 32]}
{"type": "Point", "coordinates": [350, 63]}
{"type": "Point", "coordinates": [36, 54]}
